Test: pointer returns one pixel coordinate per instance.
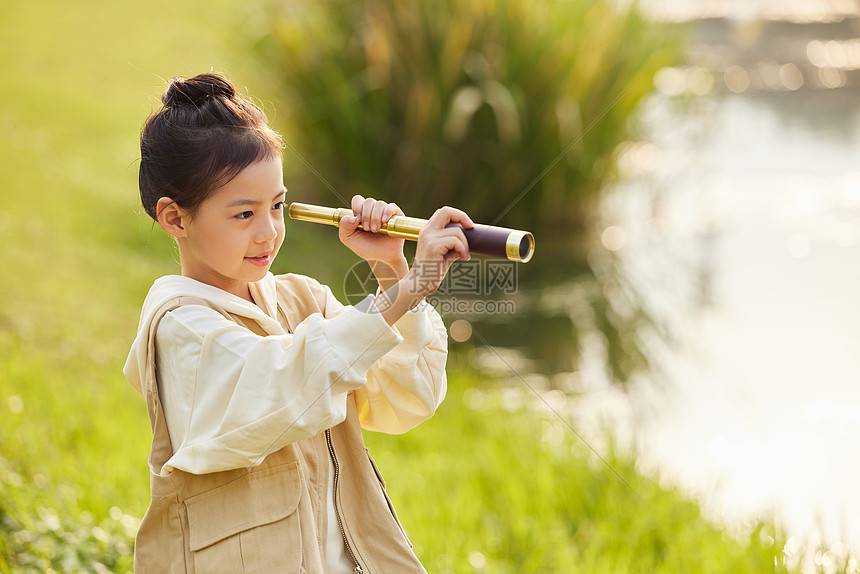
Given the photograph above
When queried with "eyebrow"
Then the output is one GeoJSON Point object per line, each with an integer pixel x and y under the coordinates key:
{"type": "Point", "coordinates": [243, 202]}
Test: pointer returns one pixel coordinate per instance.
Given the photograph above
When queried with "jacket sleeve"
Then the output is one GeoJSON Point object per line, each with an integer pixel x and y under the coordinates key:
{"type": "Point", "coordinates": [405, 386]}
{"type": "Point", "coordinates": [231, 397]}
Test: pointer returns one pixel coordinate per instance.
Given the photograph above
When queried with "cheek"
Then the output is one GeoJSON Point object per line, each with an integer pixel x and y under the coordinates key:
{"type": "Point", "coordinates": [224, 241]}
{"type": "Point", "coordinates": [282, 231]}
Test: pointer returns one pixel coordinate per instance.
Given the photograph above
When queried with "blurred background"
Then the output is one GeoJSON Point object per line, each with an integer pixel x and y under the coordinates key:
{"type": "Point", "coordinates": [668, 386]}
{"type": "Point", "coordinates": [757, 192]}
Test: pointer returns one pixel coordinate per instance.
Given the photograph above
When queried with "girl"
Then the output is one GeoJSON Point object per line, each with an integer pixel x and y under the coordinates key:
{"type": "Point", "coordinates": [257, 385]}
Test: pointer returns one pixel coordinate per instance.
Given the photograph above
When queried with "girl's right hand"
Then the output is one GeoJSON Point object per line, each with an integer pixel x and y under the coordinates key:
{"type": "Point", "coordinates": [438, 247]}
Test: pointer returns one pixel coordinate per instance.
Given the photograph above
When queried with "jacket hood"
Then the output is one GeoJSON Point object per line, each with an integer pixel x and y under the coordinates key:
{"type": "Point", "coordinates": [171, 287]}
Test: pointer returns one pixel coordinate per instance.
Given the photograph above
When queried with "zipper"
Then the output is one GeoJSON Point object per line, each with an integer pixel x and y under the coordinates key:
{"type": "Point", "coordinates": [358, 569]}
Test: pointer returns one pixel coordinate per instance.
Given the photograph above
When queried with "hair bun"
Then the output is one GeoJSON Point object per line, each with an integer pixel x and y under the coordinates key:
{"type": "Point", "coordinates": [196, 90]}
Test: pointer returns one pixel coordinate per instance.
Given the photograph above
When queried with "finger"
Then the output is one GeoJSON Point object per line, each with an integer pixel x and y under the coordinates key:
{"type": "Point", "coordinates": [376, 215]}
{"type": "Point", "coordinates": [454, 243]}
{"type": "Point", "coordinates": [390, 211]}
{"type": "Point", "coordinates": [447, 214]}
{"type": "Point", "coordinates": [446, 262]}
{"type": "Point", "coordinates": [349, 223]}
{"type": "Point", "coordinates": [451, 230]}
{"type": "Point", "coordinates": [356, 204]}
{"type": "Point", "coordinates": [366, 212]}
{"type": "Point", "coordinates": [463, 249]}
{"type": "Point", "coordinates": [439, 241]}
{"type": "Point", "coordinates": [457, 232]}
{"type": "Point", "coordinates": [449, 260]}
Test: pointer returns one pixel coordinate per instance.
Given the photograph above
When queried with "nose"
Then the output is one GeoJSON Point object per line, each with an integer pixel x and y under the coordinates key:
{"type": "Point", "coordinates": [268, 229]}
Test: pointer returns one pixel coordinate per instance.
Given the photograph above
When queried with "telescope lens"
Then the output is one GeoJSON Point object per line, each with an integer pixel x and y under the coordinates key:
{"type": "Point", "coordinates": [527, 246]}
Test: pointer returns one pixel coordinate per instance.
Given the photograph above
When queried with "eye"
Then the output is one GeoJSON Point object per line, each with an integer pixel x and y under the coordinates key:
{"type": "Point", "coordinates": [278, 206]}
{"type": "Point", "coordinates": [245, 215]}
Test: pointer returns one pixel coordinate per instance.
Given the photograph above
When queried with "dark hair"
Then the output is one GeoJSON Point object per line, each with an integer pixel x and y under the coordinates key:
{"type": "Point", "coordinates": [200, 139]}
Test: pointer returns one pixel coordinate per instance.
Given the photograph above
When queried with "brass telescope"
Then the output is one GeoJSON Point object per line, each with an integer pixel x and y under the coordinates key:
{"type": "Point", "coordinates": [488, 240]}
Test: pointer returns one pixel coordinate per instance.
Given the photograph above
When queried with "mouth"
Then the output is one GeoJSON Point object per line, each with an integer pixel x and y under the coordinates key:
{"type": "Point", "coordinates": [260, 260]}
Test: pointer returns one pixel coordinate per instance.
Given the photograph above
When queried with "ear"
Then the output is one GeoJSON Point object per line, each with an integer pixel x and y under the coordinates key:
{"type": "Point", "coordinates": [171, 217]}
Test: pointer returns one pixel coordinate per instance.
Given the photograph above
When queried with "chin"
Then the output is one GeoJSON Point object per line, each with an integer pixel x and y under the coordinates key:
{"type": "Point", "coordinates": [259, 275]}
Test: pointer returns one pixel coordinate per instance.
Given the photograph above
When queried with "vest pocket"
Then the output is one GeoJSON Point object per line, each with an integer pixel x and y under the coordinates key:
{"type": "Point", "coordinates": [249, 525]}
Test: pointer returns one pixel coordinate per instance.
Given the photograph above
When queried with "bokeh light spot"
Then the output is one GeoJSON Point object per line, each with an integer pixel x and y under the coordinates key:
{"type": "Point", "coordinates": [16, 405]}
{"type": "Point", "coordinates": [791, 77]}
{"type": "Point", "coordinates": [737, 79]}
{"type": "Point", "coordinates": [461, 330]}
{"type": "Point", "coordinates": [613, 238]}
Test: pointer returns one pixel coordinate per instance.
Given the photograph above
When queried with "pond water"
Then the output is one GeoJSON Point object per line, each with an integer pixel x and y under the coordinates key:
{"type": "Point", "coordinates": [737, 224]}
{"type": "Point", "coordinates": [740, 226]}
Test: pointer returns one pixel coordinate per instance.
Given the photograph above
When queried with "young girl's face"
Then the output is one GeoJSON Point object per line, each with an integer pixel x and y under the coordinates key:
{"type": "Point", "coordinates": [236, 232]}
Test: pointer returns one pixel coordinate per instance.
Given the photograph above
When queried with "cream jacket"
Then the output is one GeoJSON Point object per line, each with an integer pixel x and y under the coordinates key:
{"type": "Point", "coordinates": [266, 399]}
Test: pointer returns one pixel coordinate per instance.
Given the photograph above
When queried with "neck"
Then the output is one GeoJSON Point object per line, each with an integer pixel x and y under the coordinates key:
{"type": "Point", "coordinates": [238, 288]}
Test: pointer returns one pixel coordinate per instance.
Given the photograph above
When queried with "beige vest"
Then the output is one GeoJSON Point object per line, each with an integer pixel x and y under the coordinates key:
{"type": "Point", "coordinates": [270, 518]}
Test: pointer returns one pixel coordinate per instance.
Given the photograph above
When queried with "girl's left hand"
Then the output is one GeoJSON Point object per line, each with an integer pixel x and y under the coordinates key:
{"type": "Point", "coordinates": [369, 245]}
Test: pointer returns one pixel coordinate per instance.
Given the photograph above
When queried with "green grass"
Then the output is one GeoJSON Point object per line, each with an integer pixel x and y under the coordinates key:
{"type": "Point", "coordinates": [514, 489]}
{"type": "Point", "coordinates": [478, 488]}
